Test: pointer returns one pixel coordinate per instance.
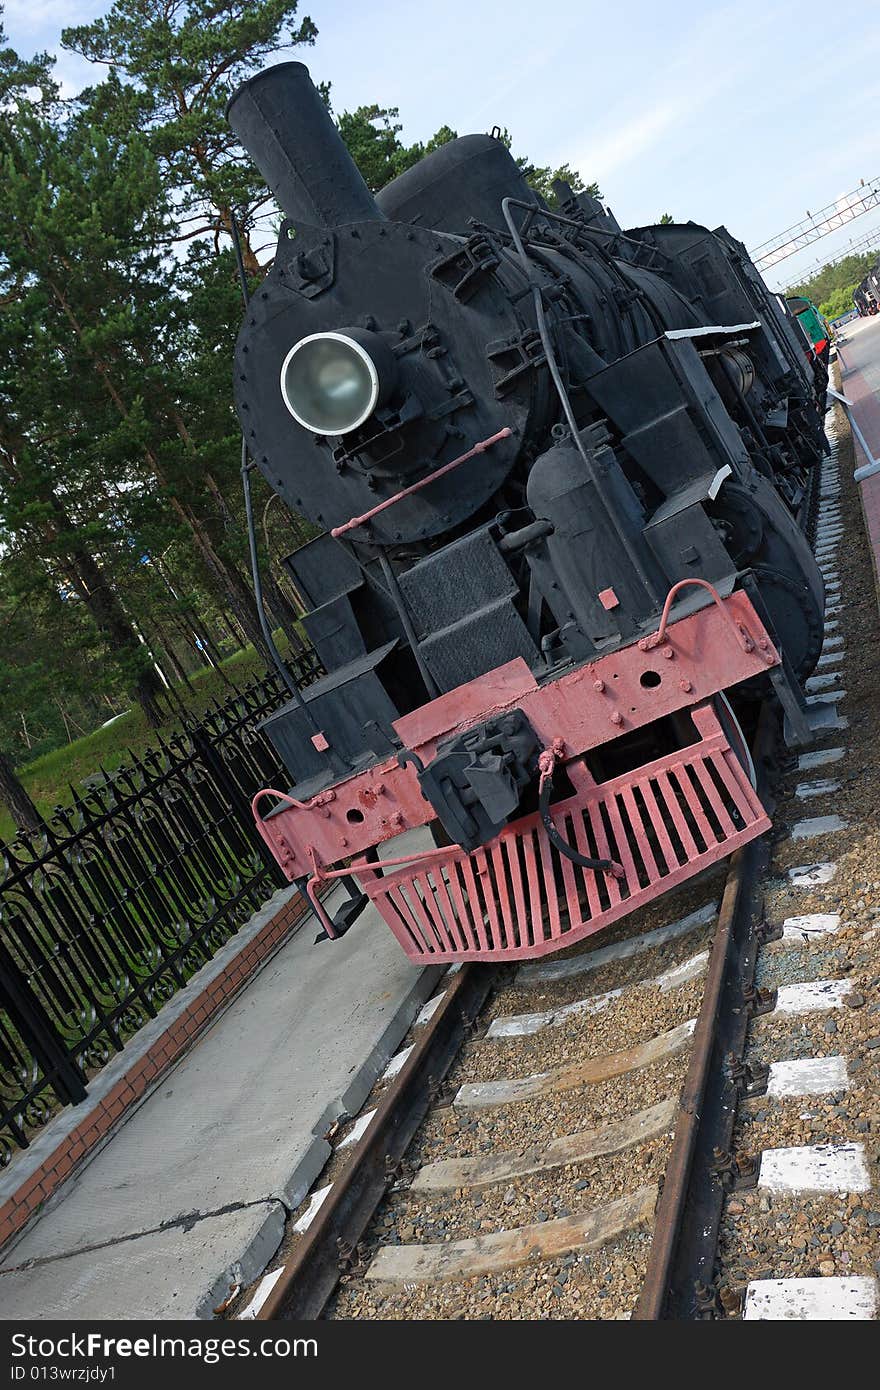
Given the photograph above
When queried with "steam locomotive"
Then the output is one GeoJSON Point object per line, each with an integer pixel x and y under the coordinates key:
{"type": "Point", "coordinates": [560, 472]}
{"type": "Point", "coordinates": [866, 297]}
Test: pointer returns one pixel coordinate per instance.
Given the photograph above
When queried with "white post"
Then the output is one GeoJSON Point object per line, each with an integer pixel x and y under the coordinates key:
{"type": "Point", "coordinates": [868, 469]}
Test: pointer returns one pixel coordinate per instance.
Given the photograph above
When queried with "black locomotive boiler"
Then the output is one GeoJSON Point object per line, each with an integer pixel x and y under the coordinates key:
{"type": "Point", "coordinates": [558, 469]}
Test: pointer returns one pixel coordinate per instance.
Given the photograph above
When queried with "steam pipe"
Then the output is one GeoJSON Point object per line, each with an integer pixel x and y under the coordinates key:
{"type": "Point", "coordinates": [583, 448]}
{"type": "Point", "coordinates": [282, 121]}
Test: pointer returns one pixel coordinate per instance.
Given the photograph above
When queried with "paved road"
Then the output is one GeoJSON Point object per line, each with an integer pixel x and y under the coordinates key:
{"type": "Point", "coordinates": [861, 350]}
{"type": "Point", "coordinates": [860, 355]}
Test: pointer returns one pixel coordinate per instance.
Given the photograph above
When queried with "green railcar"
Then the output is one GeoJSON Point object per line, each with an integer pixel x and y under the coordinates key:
{"type": "Point", "coordinates": [815, 326]}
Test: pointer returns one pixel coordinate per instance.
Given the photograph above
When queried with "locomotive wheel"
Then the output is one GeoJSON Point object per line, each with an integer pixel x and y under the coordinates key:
{"type": "Point", "coordinates": [740, 523]}
{"type": "Point", "coordinates": [792, 612]}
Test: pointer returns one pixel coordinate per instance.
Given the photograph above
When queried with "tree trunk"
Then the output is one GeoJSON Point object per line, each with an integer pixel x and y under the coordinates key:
{"type": "Point", "coordinates": [112, 621]}
{"type": "Point", "coordinates": [16, 799]}
{"type": "Point", "coordinates": [87, 577]}
{"type": "Point", "coordinates": [209, 642]}
{"type": "Point", "coordinates": [281, 609]}
{"type": "Point", "coordinates": [237, 594]}
{"type": "Point", "coordinates": [244, 606]}
{"type": "Point", "coordinates": [170, 663]}
{"type": "Point", "coordinates": [187, 651]}
{"type": "Point", "coordinates": [232, 631]}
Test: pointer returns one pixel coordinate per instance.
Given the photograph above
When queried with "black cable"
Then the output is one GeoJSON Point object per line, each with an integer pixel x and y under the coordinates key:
{"type": "Point", "coordinates": [239, 261]}
{"type": "Point", "coordinates": [283, 672]}
{"type": "Point", "coordinates": [246, 467]}
{"type": "Point", "coordinates": [553, 835]}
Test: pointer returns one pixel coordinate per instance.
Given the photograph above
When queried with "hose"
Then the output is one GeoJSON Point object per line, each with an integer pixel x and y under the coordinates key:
{"type": "Point", "coordinates": [246, 465]}
{"type": "Point", "coordinates": [608, 866]}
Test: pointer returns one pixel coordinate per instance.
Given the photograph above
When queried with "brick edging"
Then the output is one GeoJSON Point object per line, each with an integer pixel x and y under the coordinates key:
{"type": "Point", "coordinates": [106, 1111]}
{"type": "Point", "coordinates": [869, 495]}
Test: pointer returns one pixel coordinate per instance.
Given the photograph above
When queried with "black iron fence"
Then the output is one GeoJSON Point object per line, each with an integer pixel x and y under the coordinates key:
{"type": "Point", "coordinates": [127, 892]}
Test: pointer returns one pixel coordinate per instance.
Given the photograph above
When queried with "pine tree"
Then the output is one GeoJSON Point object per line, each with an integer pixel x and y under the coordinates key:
{"type": "Point", "coordinates": [170, 75]}
{"type": "Point", "coordinates": [16, 799]}
{"type": "Point", "coordinates": [372, 134]}
{"type": "Point", "coordinates": [35, 423]}
{"type": "Point", "coordinates": [171, 71]}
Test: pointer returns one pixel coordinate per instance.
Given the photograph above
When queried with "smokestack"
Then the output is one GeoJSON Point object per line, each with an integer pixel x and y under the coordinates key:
{"type": "Point", "coordinates": [283, 123]}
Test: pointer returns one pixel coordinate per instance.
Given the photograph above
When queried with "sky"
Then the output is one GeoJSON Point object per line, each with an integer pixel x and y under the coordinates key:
{"type": "Point", "coordinates": [747, 114]}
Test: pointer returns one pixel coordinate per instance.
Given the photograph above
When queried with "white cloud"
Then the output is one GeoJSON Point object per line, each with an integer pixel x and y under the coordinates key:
{"type": "Point", "coordinates": [48, 17]}
{"type": "Point", "coordinates": [604, 155]}
{"type": "Point", "coordinates": [660, 98]}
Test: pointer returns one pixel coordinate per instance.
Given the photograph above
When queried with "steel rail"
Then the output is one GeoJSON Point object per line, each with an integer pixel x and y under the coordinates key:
{"type": "Point", "coordinates": [679, 1281]}
{"type": "Point", "coordinates": [311, 1275]}
{"type": "Point", "coordinates": [680, 1275]}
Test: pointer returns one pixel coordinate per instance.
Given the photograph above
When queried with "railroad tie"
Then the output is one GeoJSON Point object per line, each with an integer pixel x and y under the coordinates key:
{"type": "Point", "coordinates": [490, 1254]}
{"type": "Point", "coordinates": [815, 1168]}
{"type": "Point", "coordinates": [590, 1072]}
{"type": "Point", "coordinates": [811, 875]}
{"type": "Point", "coordinates": [809, 925]}
{"type": "Point", "coordinates": [817, 826]}
{"type": "Point", "coordinates": [823, 786]}
{"type": "Point", "coordinates": [809, 996]}
{"type": "Point", "coordinates": [522, 1025]}
{"type": "Point", "coordinates": [828, 1299]}
{"type": "Point", "coordinates": [550, 971]}
{"type": "Point", "coordinates": [488, 1169]}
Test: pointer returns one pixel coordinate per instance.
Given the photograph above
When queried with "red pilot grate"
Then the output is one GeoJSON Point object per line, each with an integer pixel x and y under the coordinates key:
{"type": "Point", "coordinates": [519, 897]}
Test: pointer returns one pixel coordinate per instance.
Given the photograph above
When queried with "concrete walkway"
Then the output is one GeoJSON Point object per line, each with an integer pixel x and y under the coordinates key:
{"type": "Point", "coordinates": [189, 1196]}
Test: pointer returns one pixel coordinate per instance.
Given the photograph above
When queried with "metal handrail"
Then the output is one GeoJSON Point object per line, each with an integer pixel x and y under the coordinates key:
{"type": "Point", "coordinates": [867, 470]}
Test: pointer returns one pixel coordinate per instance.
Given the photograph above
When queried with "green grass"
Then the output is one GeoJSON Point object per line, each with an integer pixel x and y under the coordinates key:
{"type": "Point", "coordinates": [48, 779]}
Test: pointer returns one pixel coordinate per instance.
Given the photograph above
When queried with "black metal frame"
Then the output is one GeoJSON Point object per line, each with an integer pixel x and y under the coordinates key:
{"type": "Point", "coordinates": [125, 894]}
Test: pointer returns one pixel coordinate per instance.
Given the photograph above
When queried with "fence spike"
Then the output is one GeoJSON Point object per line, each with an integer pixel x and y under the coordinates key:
{"type": "Point", "coordinates": [122, 873]}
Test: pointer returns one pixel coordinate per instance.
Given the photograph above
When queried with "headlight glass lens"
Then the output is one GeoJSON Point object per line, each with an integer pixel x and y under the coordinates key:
{"type": "Point", "coordinates": [329, 383]}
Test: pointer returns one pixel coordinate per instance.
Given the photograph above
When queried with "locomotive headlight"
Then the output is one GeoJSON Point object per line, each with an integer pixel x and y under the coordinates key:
{"type": "Point", "coordinates": [332, 382]}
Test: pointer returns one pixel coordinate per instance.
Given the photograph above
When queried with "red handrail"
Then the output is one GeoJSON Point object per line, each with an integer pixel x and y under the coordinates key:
{"type": "Point", "coordinates": [480, 448]}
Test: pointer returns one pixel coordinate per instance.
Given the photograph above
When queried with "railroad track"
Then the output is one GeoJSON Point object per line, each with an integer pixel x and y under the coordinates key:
{"type": "Point", "coordinates": [569, 1138]}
